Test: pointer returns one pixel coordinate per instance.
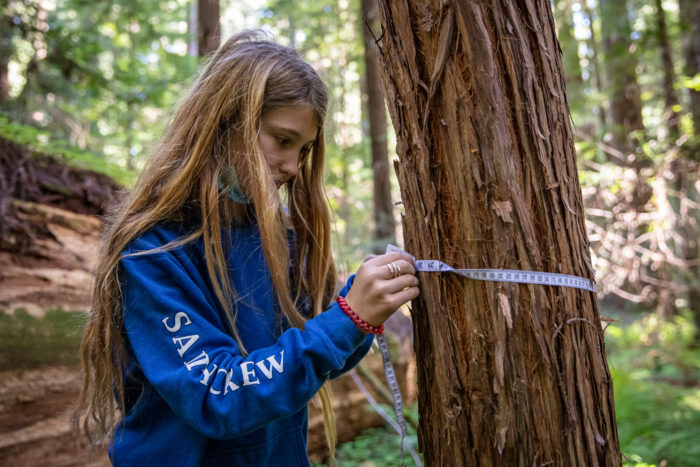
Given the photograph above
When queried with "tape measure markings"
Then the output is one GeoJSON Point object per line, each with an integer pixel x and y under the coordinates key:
{"type": "Point", "coordinates": [394, 387]}
{"type": "Point", "coordinates": [503, 275]}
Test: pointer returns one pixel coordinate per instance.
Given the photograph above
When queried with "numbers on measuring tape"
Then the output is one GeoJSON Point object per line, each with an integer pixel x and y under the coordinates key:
{"type": "Point", "coordinates": [503, 275]}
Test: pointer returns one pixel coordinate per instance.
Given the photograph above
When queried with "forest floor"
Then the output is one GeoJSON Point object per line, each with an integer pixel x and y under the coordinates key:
{"type": "Point", "coordinates": [35, 419]}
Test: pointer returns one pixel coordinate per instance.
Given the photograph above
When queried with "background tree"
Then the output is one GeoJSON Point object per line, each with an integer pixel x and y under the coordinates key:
{"type": "Point", "coordinates": [508, 374]}
{"type": "Point", "coordinates": [384, 225]}
{"type": "Point", "coordinates": [564, 19]}
{"type": "Point", "coordinates": [671, 104]}
{"type": "Point", "coordinates": [690, 21]}
{"type": "Point", "coordinates": [623, 88]}
{"type": "Point", "coordinates": [208, 28]}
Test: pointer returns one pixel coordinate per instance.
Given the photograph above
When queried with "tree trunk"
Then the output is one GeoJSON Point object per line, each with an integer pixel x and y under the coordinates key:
{"type": "Point", "coordinates": [671, 115]}
{"type": "Point", "coordinates": [572, 65]}
{"type": "Point", "coordinates": [508, 374]}
{"type": "Point", "coordinates": [690, 21]}
{"type": "Point", "coordinates": [623, 87]}
{"type": "Point", "coordinates": [209, 30]}
{"type": "Point", "coordinates": [595, 60]}
{"type": "Point", "coordinates": [384, 225]}
{"type": "Point", "coordinates": [6, 51]}
{"type": "Point", "coordinates": [192, 23]}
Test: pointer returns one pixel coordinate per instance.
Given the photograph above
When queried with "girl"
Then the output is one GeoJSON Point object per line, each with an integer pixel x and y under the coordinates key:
{"type": "Point", "coordinates": [214, 318]}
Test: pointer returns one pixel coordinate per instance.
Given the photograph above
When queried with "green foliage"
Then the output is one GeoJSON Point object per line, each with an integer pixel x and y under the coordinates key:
{"type": "Point", "coordinates": [97, 74]}
{"type": "Point", "coordinates": [28, 341]}
{"type": "Point", "coordinates": [656, 374]}
{"type": "Point", "coordinates": [380, 446]}
{"type": "Point", "coordinates": [40, 141]}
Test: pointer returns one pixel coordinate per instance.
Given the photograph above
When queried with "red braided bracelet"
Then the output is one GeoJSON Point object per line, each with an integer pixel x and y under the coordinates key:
{"type": "Point", "coordinates": [359, 322]}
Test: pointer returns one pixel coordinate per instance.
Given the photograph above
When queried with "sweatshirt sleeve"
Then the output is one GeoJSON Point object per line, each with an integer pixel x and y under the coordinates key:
{"type": "Point", "coordinates": [184, 351]}
{"type": "Point", "coordinates": [362, 350]}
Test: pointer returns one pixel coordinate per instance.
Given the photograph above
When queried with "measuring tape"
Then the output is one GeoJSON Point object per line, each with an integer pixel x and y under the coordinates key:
{"type": "Point", "coordinates": [390, 375]}
{"type": "Point", "coordinates": [502, 275]}
{"type": "Point", "coordinates": [496, 275]}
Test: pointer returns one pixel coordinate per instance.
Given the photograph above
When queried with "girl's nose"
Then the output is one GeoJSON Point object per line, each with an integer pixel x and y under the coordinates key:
{"type": "Point", "coordinates": [291, 167]}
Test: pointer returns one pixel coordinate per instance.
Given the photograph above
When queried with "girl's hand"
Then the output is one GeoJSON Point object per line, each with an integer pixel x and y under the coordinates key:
{"type": "Point", "coordinates": [380, 288]}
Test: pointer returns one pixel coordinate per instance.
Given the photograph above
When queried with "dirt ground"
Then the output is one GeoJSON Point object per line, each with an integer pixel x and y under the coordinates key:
{"type": "Point", "coordinates": [35, 421]}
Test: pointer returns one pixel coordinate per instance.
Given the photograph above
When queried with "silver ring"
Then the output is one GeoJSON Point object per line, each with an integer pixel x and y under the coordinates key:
{"type": "Point", "coordinates": [394, 269]}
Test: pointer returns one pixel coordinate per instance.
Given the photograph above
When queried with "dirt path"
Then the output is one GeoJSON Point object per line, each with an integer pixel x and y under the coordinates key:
{"type": "Point", "coordinates": [35, 426]}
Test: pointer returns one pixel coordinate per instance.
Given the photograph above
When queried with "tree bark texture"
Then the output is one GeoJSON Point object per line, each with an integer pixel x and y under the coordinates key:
{"type": "Point", "coordinates": [508, 374]}
{"type": "Point", "coordinates": [384, 225]}
{"type": "Point", "coordinates": [209, 29]}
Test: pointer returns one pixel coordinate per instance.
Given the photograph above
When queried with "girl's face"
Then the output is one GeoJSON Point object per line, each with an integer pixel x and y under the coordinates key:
{"type": "Point", "coordinates": [286, 137]}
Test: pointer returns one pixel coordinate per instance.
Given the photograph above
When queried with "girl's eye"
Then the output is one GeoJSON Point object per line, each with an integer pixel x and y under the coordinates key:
{"type": "Point", "coordinates": [282, 141]}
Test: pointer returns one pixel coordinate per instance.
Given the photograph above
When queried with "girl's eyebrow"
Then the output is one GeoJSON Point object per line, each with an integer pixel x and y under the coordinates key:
{"type": "Point", "coordinates": [291, 132]}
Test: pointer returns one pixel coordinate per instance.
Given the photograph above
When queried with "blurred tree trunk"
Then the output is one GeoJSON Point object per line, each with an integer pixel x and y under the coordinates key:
{"type": "Point", "coordinates": [384, 225]}
{"type": "Point", "coordinates": [208, 30]}
{"type": "Point", "coordinates": [131, 92]}
{"type": "Point", "coordinates": [508, 374]}
{"type": "Point", "coordinates": [690, 22]}
{"type": "Point", "coordinates": [192, 22]}
{"type": "Point", "coordinates": [569, 46]}
{"type": "Point", "coordinates": [672, 116]}
{"type": "Point", "coordinates": [595, 60]}
{"type": "Point", "coordinates": [6, 50]}
{"type": "Point", "coordinates": [623, 88]}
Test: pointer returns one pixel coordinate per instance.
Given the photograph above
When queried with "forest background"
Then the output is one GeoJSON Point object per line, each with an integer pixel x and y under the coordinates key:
{"type": "Point", "coordinates": [92, 83]}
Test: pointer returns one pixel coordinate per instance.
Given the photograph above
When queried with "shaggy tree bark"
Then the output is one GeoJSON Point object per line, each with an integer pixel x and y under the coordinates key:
{"type": "Point", "coordinates": [508, 374]}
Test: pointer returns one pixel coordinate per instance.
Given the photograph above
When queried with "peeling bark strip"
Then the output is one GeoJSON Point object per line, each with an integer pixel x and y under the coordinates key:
{"type": "Point", "coordinates": [509, 374]}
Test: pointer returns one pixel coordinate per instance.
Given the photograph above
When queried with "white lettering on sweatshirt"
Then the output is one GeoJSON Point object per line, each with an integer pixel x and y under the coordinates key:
{"type": "Point", "coordinates": [247, 369]}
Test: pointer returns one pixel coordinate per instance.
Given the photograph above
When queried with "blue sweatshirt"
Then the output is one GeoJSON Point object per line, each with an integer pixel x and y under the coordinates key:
{"type": "Point", "coordinates": [192, 398]}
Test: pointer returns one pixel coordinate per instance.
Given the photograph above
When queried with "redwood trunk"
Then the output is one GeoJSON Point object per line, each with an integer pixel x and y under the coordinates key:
{"type": "Point", "coordinates": [508, 374]}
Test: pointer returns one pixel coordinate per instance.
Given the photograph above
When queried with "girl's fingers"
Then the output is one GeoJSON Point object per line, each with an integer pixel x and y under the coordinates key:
{"type": "Point", "coordinates": [404, 296]}
{"type": "Point", "coordinates": [396, 285]}
{"type": "Point", "coordinates": [396, 268]}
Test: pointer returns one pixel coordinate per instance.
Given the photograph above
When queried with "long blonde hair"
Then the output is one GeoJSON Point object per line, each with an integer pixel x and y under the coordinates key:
{"type": "Point", "coordinates": [215, 127]}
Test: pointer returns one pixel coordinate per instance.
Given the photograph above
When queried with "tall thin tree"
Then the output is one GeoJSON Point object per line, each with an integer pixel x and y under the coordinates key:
{"type": "Point", "coordinates": [384, 224]}
{"type": "Point", "coordinates": [508, 374]}
{"type": "Point", "coordinates": [672, 115]}
{"type": "Point", "coordinates": [209, 29]}
{"type": "Point", "coordinates": [622, 85]}
{"type": "Point", "coordinates": [690, 22]}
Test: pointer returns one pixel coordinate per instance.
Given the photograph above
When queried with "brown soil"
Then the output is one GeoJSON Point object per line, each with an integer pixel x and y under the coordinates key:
{"type": "Point", "coordinates": [35, 421]}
